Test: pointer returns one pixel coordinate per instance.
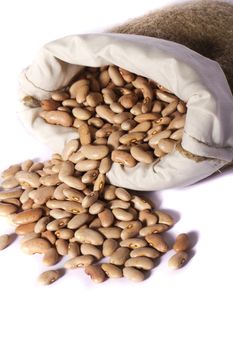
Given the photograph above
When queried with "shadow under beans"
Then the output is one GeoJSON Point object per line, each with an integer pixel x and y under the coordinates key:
{"type": "Point", "coordinates": [193, 237]}
{"type": "Point", "coordinates": [226, 170]}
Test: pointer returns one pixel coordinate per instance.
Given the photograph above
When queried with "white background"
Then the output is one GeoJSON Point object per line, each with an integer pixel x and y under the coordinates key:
{"type": "Point", "coordinates": [188, 309]}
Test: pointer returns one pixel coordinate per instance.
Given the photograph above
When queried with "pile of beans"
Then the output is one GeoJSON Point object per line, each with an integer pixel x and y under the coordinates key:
{"type": "Point", "coordinates": [133, 118]}
{"type": "Point", "coordinates": [65, 209]}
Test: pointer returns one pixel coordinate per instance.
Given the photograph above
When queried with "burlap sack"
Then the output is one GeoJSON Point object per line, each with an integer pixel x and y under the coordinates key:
{"type": "Point", "coordinates": [207, 144]}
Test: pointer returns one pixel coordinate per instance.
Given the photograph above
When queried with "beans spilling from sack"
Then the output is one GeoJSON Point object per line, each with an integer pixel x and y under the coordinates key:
{"type": "Point", "coordinates": [66, 210]}
{"type": "Point", "coordinates": [134, 118]}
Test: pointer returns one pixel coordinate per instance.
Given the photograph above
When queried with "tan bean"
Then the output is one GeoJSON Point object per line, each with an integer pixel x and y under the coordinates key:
{"type": "Point", "coordinates": [114, 137]}
{"type": "Point", "coordinates": [177, 123]}
{"type": "Point", "coordinates": [106, 217]}
{"type": "Point", "coordinates": [60, 96]}
{"type": "Point", "coordinates": [94, 99]}
{"type": "Point", "coordinates": [74, 182]}
{"type": "Point", "coordinates": [35, 246]}
{"type": "Point", "coordinates": [70, 102]}
{"type": "Point", "coordinates": [82, 93]}
{"type": "Point", "coordinates": [86, 235]}
{"type": "Point", "coordinates": [164, 218]}
{"type": "Point", "coordinates": [78, 220]}
{"type": "Point", "coordinates": [13, 201]}
{"type": "Point", "coordinates": [158, 152]}
{"type": "Point", "coordinates": [51, 257]}
{"type": "Point", "coordinates": [27, 216]}
{"type": "Point", "coordinates": [79, 261]}
{"type": "Point", "coordinates": [10, 182]}
{"type": "Point", "coordinates": [140, 203]}
{"type": "Point", "coordinates": [111, 270]}
{"type": "Point", "coordinates": [5, 240]}
{"type": "Point", "coordinates": [64, 233]}
{"type": "Point", "coordinates": [182, 243]}
{"type": "Point", "coordinates": [81, 113]}
{"type": "Point", "coordinates": [86, 165]}
{"type": "Point", "coordinates": [25, 228]}
{"type": "Point", "coordinates": [109, 192]}
{"type": "Point", "coordinates": [95, 224]}
{"type": "Point", "coordinates": [50, 180]}
{"type": "Point", "coordinates": [105, 165]}
{"type": "Point", "coordinates": [128, 124]}
{"type": "Point", "coordinates": [157, 242]}
{"type": "Point", "coordinates": [76, 85]}
{"type": "Point", "coordinates": [62, 246]}
{"type": "Point", "coordinates": [49, 277]}
{"type": "Point", "coordinates": [11, 171]}
{"type": "Point", "coordinates": [7, 209]}
{"type": "Point", "coordinates": [41, 195]}
{"type": "Point", "coordinates": [159, 136]}
{"type": "Point", "coordinates": [132, 137]}
{"type": "Point", "coordinates": [177, 135]}
{"type": "Point", "coordinates": [90, 176]}
{"type": "Point", "coordinates": [26, 165]}
{"type": "Point", "coordinates": [164, 96]}
{"type": "Point", "coordinates": [167, 145]}
{"type": "Point", "coordinates": [131, 229]}
{"type": "Point", "coordinates": [58, 192]}
{"type": "Point", "coordinates": [122, 194]}
{"type": "Point", "coordinates": [50, 236]}
{"type": "Point", "coordinates": [133, 274]}
{"type": "Point", "coordinates": [56, 224]}
{"type": "Point", "coordinates": [142, 127]}
{"type": "Point", "coordinates": [133, 243]}
{"type": "Point", "coordinates": [41, 224]}
{"type": "Point", "coordinates": [140, 155]}
{"type": "Point", "coordinates": [104, 78]}
{"type": "Point", "coordinates": [118, 203]}
{"type": "Point", "coordinates": [76, 157]}
{"type": "Point", "coordinates": [99, 183]}
{"type": "Point", "coordinates": [96, 208]}
{"type": "Point", "coordinates": [144, 251]}
{"type": "Point", "coordinates": [141, 262]}
{"type": "Point", "coordinates": [90, 199]}
{"type": "Point", "coordinates": [6, 194]}
{"type": "Point", "coordinates": [123, 158]}
{"type": "Point", "coordinates": [105, 113]}
{"type": "Point", "coordinates": [120, 256]}
{"type": "Point", "coordinates": [70, 147]}
{"type": "Point", "coordinates": [28, 179]}
{"type": "Point", "coordinates": [73, 250]}
{"type": "Point", "coordinates": [115, 76]}
{"type": "Point", "coordinates": [157, 228]}
{"type": "Point", "coordinates": [57, 118]}
{"type": "Point", "coordinates": [147, 218]}
{"type": "Point", "coordinates": [90, 249]}
{"type": "Point", "coordinates": [147, 117]}
{"type": "Point", "coordinates": [109, 246]}
{"type": "Point", "coordinates": [116, 107]}
{"type": "Point", "coordinates": [170, 108]}
{"type": "Point", "coordinates": [96, 273]}
{"type": "Point", "coordinates": [178, 260]}
{"type": "Point", "coordinates": [59, 214]}
{"type": "Point", "coordinates": [49, 105]}
{"type": "Point", "coordinates": [95, 152]}
{"type": "Point", "coordinates": [84, 134]}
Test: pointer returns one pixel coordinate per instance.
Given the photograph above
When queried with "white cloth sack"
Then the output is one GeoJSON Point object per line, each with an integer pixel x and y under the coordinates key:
{"type": "Point", "coordinates": [193, 78]}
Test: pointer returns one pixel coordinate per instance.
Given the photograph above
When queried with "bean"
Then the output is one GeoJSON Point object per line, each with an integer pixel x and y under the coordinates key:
{"type": "Point", "coordinates": [78, 220]}
{"type": "Point", "coordinates": [5, 240]}
{"type": "Point", "coordinates": [10, 182]}
{"type": "Point", "coordinates": [81, 113]}
{"type": "Point", "coordinates": [57, 117]}
{"type": "Point", "coordinates": [50, 236]}
{"type": "Point", "coordinates": [133, 274]}
{"type": "Point", "coordinates": [133, 243]}
{"type": "Point", "coordinates": [11, 171]}
{"type": "Point", "coordinates": [119, 256]}
{"type": "Point", "coordinates": [86, 235]}
{"type": "Point", "coordinates": [167, 145]}
{"type": "Point", "coordinates": [157, 228]}
{"type": "Point", "coordinates": [59, 214]}
{"type": "Point", "coordinates": [115, 76]}
{"type": "Point", "coordinates": [84, 134]}
{"type": "Point", "coordinates": [28, 179]}
{"type": "Point", "coordinates": [90, 176]}
{"type": "Point", "coordinates": [95, 152]}
{"type": "Point", "coordinates": [86, 165]}
{"type": "Point", "coordinates": [42, 194]}
{"type": "Point", "coordinates": [96, 273]}
{"type": "Point", "coordinates": [178, 260]}
{"type": "Point", "coordinates": [118, 203]}
{"type": "Point", "coordinates": [147, 218]}
{"type": "Point", "coordinates": [10, 194]}
{"type": "Point", "coordinates": [41, 224]}
{"type": "Point", "coordinates": [157, 242]}
{"type": "Point", "coordinates": [109, 246]}
{"type": "Point", "coordinates": [73, 250]}
{"type": "Point", "coordinates": [141, 262]}
{"type": "Point", "coordinates": [90, 199]}
{"type": "Point", "coordinates": [140, 155]}
{"type": "Point", "coordinates": [105, 113]}
{"type": "Point", "coordinates": [90, 249]}
{"type": "Point", "coordinates": [51, 257]}
{"type": "Point", "coordinates": [35, 246]}
{"type": "Point", "coordinates": [70, 147]}
{"type": "Point", "coordinates": [144, 251]}
{"type": "Point", "coordinates": [106, 217]}
{"type": "Point", "coordinates": [79, 261]}
{"type": "Point", "coordinates": [57, 224]}
{"type": "Point", "coordinates": [182, 243]}
{"type": "Point", "coordinates": [164, 218]}
{"type": "Point", "coordinates": [49, 277]}
{"type": "Point", "coordinates": [62, 246]}
{"type": "Point", "coordinates": [131, 229]}
{"type": "Point", "coordinates": [7, 209]}
{"type": "Point", "coordinates": [64, 233]}
{"type": "Point", "coordinates": [27, 216]}
{"type": "Point", "coordinates": [121, 214]}
{"type": "Point", "coordinates": [25, 228]}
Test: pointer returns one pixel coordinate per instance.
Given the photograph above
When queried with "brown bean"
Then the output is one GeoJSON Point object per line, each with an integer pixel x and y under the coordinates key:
{"type": "Point", "coordinates": [182, 243]}
{"type": "Point", "coordinates": [5, 240]}
{"type": "Point", "coordinates": [78, 220]}
{"type": "Point", "coordinates": [96, 273]}
{"type": "Point", "coordinates": [73, 250]}
{"type": "Point", "coordinates": [178, 260]}
{"type": "Point", "coordinates": [79, 261]}
{"type": "Point", "coordinates": [140, 155]}
{"type": "Point", "coordinates": [57, 118]}
{"type": "Point", "coordinates": [157, 228]}
{"type": "Point", "coordinates": [120, 256]}
{"type": "Point", "coordinates": [11, 171]}
{"type": "Point", "coordinates": [90, 249]}
{"type": "Point", "coordinates": [106, 217]}
{"type": "Point", "coordinates": [86, 235]}
{"type": "Point", "coordinates": [157, 242]}
{"type": "Point", "coordinates": [164, 218]}
{"type": "Point", "coordinates": [7, 209]}
{"type": "Point", "coordinates": [123, 158]}
{"type": "Point", "coordinates": [144, 251]}
{"type": "Point", "coordinates": [133, 243]}
{"type": "Point", "coordinates": [147, 218]}
{"type": "Point", "coordinates": [62, 246]}
{"type": "Point", "coordinates": [35, 246]}
{"type": "Point", "coordinates": [25, 228]}
{"type": "Point", "coordinates": [27, 216]}
{"type": "Point", "coordinates": [86, 165]}
{"type": "Point", "coordinates": [51, 257]}
{"type": "Point", "coordinates": [133, 274]}
{"type": "Point", "coordinates": [112, 271]}
{"type": "Point", "coordinates": [141, 262]}
{"type": "Point", "coordinates": [49, 277]}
